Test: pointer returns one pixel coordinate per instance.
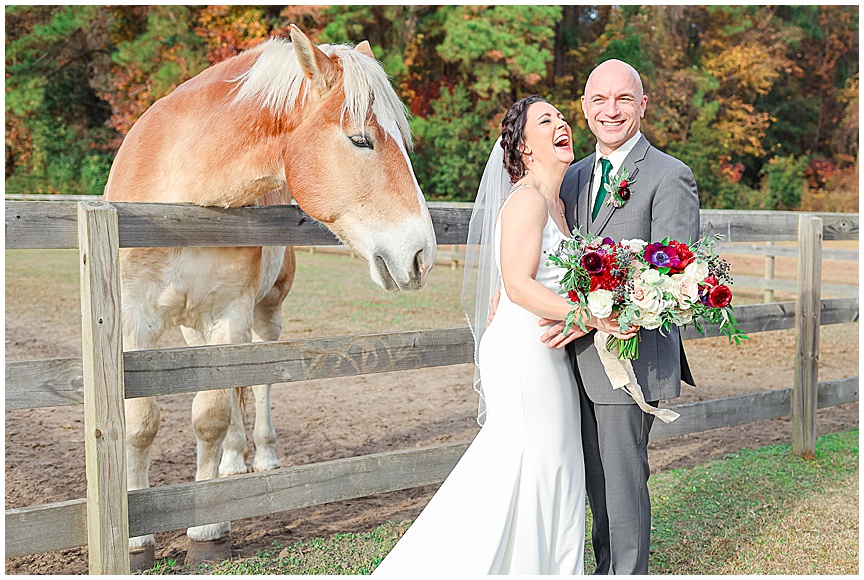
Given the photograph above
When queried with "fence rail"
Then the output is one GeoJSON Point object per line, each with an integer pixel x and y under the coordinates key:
{"type": "Point", "coordinates": [49, 224]}
{"type": "Point", "coordinates": [145, 373]}
{"type": "Point", "coordinates": [62, 525]}
{"type": "Point", "coordinates": [148, 373]}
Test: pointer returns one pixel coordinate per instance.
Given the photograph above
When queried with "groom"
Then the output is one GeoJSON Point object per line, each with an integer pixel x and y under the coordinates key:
{"type": "Point", "coordinates": [663, 202]}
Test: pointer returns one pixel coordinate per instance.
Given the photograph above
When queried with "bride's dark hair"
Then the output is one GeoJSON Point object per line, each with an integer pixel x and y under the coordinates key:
{"type": "Point", "coordinates": [513, 135]}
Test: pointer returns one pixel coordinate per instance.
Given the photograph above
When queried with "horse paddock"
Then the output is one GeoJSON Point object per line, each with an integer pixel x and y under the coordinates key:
{"type": "Point", "coordinates": [328, 419]}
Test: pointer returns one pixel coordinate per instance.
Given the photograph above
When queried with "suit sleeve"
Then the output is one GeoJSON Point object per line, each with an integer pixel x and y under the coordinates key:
{"type": "Point", "coordinates": [675, 211]}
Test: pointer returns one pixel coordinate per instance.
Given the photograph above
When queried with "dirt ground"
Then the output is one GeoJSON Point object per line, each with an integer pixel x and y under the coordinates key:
{"type": "Point", "coordinates": [336, 418]}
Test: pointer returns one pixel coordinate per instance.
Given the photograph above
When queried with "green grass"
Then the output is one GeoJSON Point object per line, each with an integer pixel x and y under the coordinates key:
{"type": "Point", "coordinates": [760, 511]}
{"type": "Point", "coordinates": [332, 295]}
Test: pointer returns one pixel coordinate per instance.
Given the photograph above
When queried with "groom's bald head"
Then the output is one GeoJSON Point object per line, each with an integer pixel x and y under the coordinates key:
{"type": "Point", "coordinates": [614, 104]}
{"type": "Point", "coordinates": [616, 68]}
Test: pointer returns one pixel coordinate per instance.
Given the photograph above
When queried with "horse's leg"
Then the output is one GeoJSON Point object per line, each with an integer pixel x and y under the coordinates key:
{"type": "Point", "coordinates": [142, 424]}
{"type": "Point", "coordinates": [234, 448]}
{"type": "Point", "coordinates": [268, 326]}
{"type": "Point", "coordinates": [211, 418]}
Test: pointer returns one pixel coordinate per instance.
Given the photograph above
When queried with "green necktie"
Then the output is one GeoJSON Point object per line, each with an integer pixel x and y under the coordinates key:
{"type": "Point", "coordinates": [601, 193]}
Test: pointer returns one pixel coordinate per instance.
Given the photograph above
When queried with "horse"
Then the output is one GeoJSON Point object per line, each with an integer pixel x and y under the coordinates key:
{"type": "Point", "coordinates": [319, 124]}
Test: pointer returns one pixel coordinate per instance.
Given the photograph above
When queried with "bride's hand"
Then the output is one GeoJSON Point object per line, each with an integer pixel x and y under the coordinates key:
{"type": "Point", "coordinates": [554, 337]}
{"type": "Point", "coordinates": [610, 326]}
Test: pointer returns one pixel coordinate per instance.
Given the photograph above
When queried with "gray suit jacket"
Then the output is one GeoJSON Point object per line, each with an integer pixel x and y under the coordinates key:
{"type": "Point", "coordinates": [664, 203]}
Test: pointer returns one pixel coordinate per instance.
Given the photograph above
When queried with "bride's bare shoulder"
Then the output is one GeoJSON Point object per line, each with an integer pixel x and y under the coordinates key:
{"type": "Point", "coordinates": [525, 200]}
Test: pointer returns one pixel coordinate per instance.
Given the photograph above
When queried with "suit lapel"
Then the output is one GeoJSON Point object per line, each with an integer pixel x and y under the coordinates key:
{"type": "Point", "coordinates": [631, 164]}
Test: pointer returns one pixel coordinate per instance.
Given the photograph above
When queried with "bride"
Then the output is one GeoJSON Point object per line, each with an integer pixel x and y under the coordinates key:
{"type": "Point", "coordinates": [515, 502]}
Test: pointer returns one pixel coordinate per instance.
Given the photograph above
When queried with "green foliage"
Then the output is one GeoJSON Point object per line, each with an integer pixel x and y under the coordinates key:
{"type": "Point", "coordinates": [452, 146]}
{"type": "Point", "coordinates": [728, 86]}
{"type": "Point", "coordinates": [481, 41]}
{"type": "Point", "coordinates": [783, 182]}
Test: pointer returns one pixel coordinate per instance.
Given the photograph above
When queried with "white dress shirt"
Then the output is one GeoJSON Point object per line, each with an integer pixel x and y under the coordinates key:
{"type": "Point", "coordinates": [617, 158]}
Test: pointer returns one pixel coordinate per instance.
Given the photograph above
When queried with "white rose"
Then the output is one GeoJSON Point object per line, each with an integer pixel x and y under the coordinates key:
{"type": "Point", "coordinates": [697, 270]}
{"type": "Point", "coordinates": [665, 283]}
{"type": "Point", "coordinates": [650, 276]}
{"type": "Point", "coordinates": [684, 289]}
{"type": "Point", "coordinates": [647, 298]}
{"type": "Point", "coordinates": [686, 316]}
{"type": "Point", "coordinates": [634, 245]}
{"type": "Point", "coordinates": [600, 303]}
{"type": "Point", "coordinates": [648, 320]}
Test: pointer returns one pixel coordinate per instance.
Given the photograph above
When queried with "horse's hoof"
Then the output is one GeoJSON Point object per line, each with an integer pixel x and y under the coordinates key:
{"type": "Point", "coordinates": [212, 552]}
{"type": "Point", "coordinates": [142, 558]}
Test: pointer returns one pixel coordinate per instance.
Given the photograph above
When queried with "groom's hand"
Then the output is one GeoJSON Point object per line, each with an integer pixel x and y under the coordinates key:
{"type": "Point", "coordinates": [554, 337]}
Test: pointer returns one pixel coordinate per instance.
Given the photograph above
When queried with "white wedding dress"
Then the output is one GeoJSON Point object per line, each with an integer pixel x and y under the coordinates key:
{"type": "Point", "coordinates": [515, 502]}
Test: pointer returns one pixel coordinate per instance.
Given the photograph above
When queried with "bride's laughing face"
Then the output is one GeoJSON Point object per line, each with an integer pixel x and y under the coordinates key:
{"type": "Point", "coordinates": [548, 137]}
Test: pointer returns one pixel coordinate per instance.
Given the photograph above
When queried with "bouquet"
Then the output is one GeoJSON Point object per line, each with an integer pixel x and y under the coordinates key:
{"type": "Point", "coordinates": [649, 285]}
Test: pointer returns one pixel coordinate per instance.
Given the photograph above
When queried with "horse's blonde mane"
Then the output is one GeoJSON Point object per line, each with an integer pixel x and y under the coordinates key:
{"type": "Point", "coordinates": [277, 82]}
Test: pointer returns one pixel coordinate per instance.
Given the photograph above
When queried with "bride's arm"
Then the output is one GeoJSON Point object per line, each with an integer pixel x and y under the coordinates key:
{"type": "Point", "coordinates": [522, 223]}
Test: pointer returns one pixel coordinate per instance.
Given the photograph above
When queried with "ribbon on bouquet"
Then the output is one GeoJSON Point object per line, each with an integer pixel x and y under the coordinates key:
{"type": "Point", "coordinates": [621, 375]}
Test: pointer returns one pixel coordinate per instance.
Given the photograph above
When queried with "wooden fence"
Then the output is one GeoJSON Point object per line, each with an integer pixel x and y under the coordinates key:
{"type": "Point", "coordinates": [104, 375]}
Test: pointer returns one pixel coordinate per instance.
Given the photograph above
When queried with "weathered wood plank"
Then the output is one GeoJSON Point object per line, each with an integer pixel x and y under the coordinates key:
{"type": "Point", "coordinates": [782, 251]}
{"type": "Point", "coordinates": [807, 321]}
{"type": "Point", "coordinates": [149, 372]}
{"type": "Point", "coordinates": [763, 226]}
{"type": "Point", "coordinates": [179, 506]}
{"type": "Point", "coordinates": [41, 224]}
{"type": "Point", "coordinates": [738, 410]}
{"type": "Point", "coordinates": [51, 224]}
{"type": "Point", "coordinates": [55, 382]}
{"type": "Point", "coordinates": [256, 494]}
{"type": "Point", "coordinates": [790, 285]}
{"type": "Point", "coordinates": [47, 527]}
{"type": "Point", "coordinates": [46, 382]}
{"type": "Point", "coordinates": [102, 363]}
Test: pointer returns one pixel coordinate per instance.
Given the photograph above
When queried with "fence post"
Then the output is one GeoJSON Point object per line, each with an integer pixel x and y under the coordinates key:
{"type": "Point", "coordinates": [807, 319]}
{"type": "Point", "coordinates": [768, 295]}
{"type": "Point", "coordinates": [104, 415]}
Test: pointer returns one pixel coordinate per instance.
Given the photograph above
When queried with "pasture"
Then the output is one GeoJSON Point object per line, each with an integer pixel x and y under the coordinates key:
{"type": "Point", "coordinates": [335, 418]}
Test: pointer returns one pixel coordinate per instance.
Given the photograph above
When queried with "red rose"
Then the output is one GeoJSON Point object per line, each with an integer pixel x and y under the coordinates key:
{"type": "Point", "coordinates": [711, 280]}
{"type": "Point", "coordinates": [573, 296]}
{"type": "Point", "coordinates": [685, 256]}
{"type": "Point", "coordinates": [719, 297]}
{"type": "Point", "coordinates": [623, 184]}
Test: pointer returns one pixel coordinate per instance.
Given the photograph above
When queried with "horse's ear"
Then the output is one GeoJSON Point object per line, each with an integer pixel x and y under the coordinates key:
{"type": "Point", "coordinates": [316, 65]}
{"type": "Point", "coordinates": [364, 48]}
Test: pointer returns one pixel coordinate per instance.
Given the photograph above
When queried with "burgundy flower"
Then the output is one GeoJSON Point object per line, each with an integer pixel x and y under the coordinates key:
{"type": "Point", "coordinates": [719, 297]}
{"type": "Point", "coordinates": [661, 256]}
{"type": "Point", "coordinates": [624, 192]}
{"type": "Point", "coordinates": [592, 262]}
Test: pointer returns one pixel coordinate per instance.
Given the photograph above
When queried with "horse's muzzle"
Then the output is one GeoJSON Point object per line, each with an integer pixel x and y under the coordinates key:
{"type": "Point", "coordinates": [395, 275]}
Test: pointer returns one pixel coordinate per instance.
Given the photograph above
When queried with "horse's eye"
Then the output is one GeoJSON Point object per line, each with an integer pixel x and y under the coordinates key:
{"type": "Point", "coordinates": [361, 141]}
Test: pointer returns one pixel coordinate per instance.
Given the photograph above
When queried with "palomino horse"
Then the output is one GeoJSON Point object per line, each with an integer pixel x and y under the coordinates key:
{"type": "Point", "coordinates": [319, 123]}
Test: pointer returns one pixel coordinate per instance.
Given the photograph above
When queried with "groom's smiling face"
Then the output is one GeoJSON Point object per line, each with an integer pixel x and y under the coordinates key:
{"type": "Point", "coordinates": [613, 104]}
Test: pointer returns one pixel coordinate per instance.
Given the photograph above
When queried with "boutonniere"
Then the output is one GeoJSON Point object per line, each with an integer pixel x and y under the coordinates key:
{"type": "Point", "coordinates": [618, 188]}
